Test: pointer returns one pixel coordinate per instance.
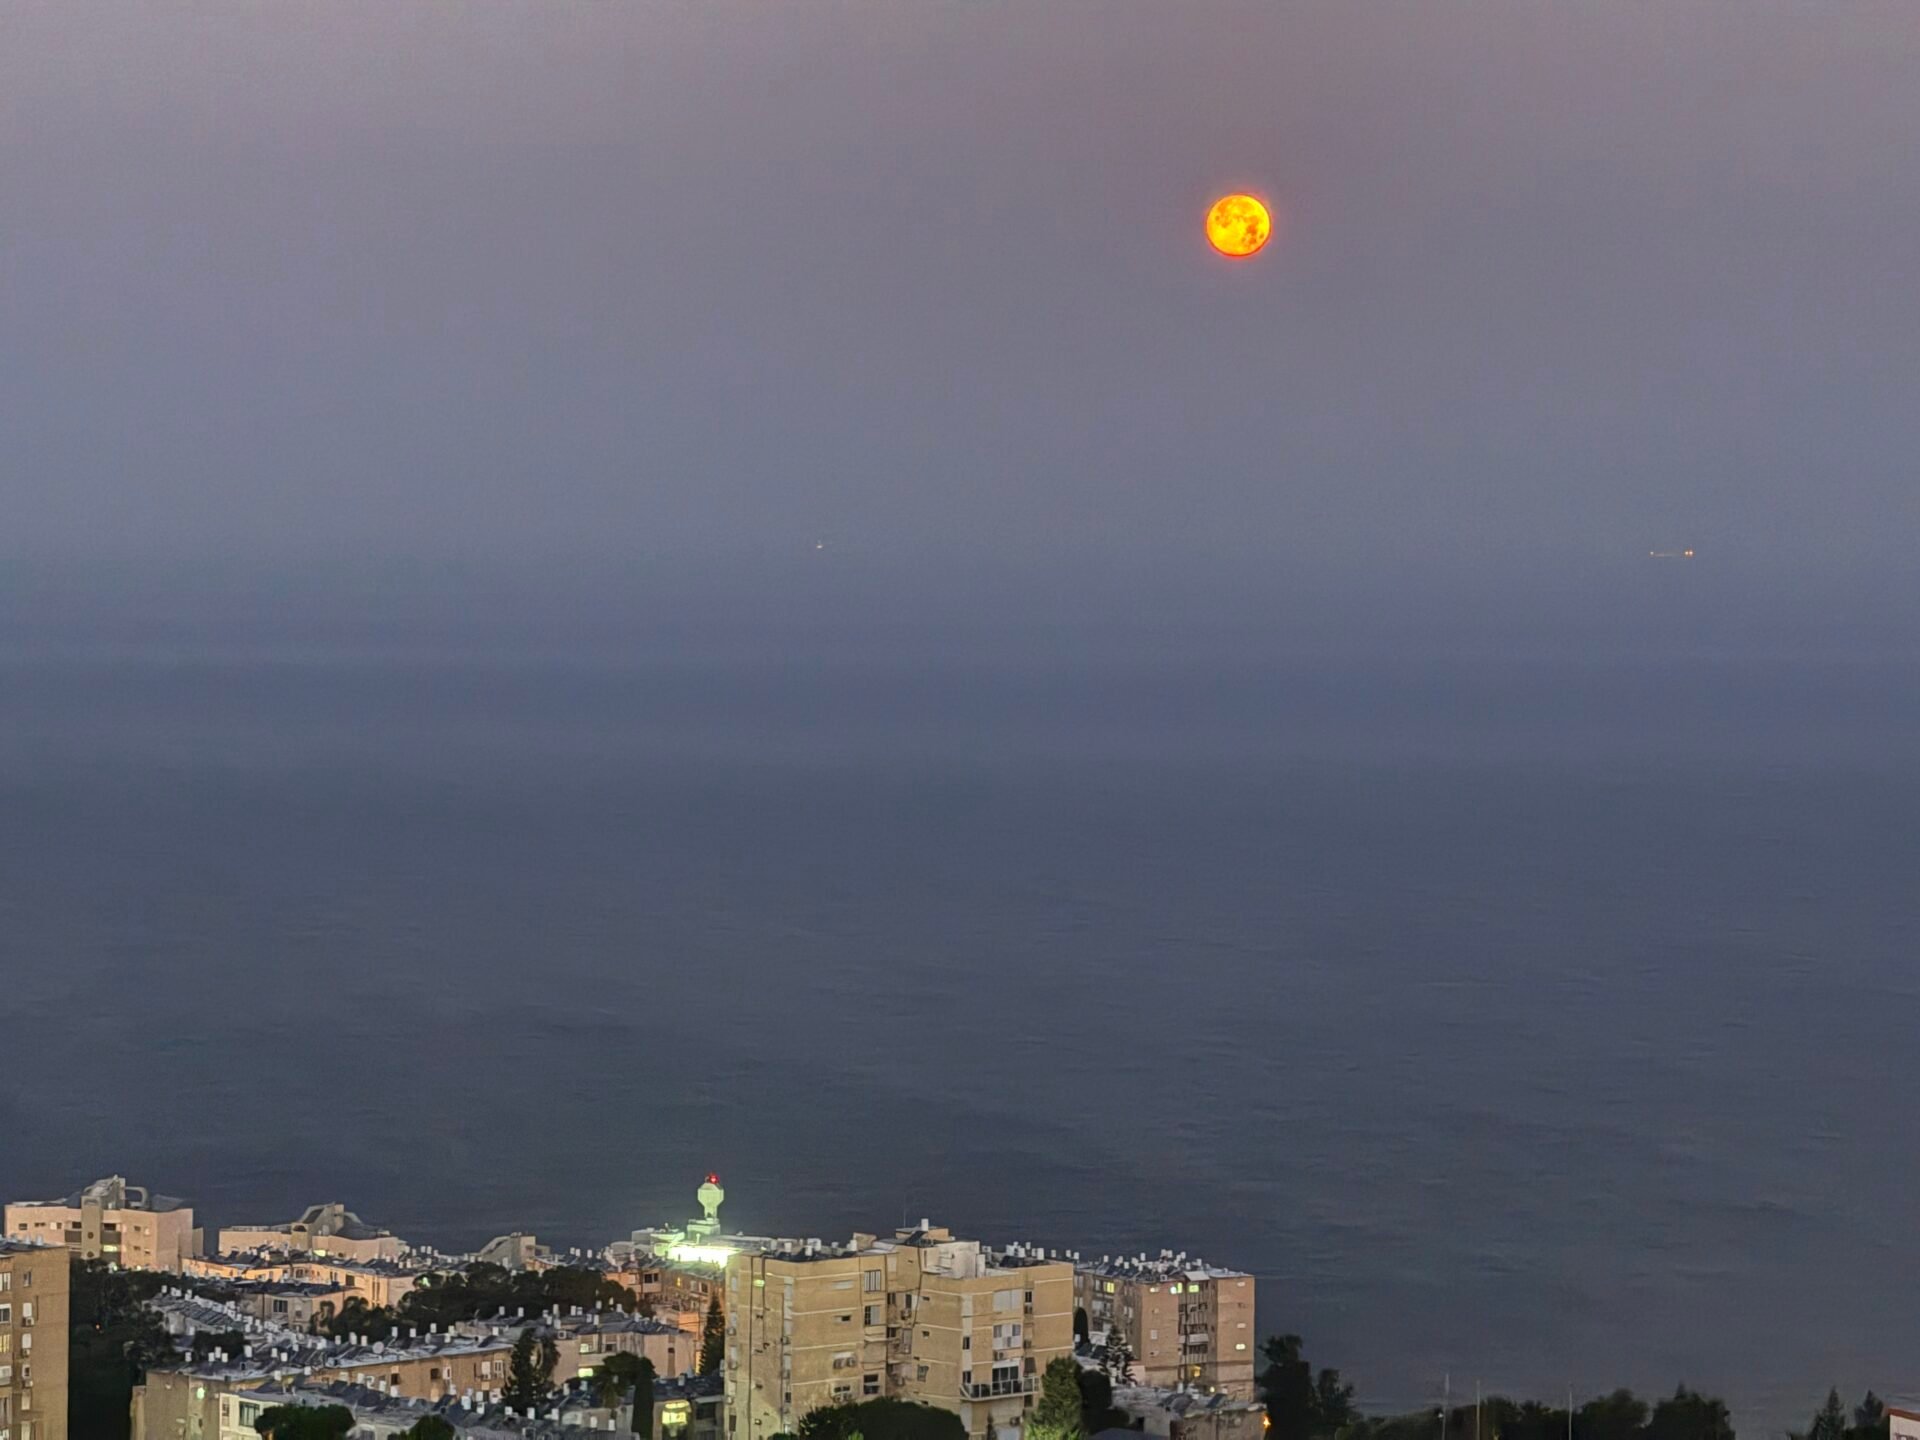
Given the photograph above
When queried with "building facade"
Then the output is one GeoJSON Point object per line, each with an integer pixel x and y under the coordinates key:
{"type": "Point", "coordinates": [584, 1339]}
{"type": "Point", "coordinates": [113, 1221]}
{"type": "Point", "coordinates": [35, 1285]}
{"type": "Point", "coordinates": [921, 1317]}
{"type": "Point", "coordinates": [1192, 1414]}
{"type": "Point", "coordinates": [377, 1282]}
{"type": "Point", "coordinates": [183, 1401]}
{"type": "Point", "coordinates": [1187, 1324]}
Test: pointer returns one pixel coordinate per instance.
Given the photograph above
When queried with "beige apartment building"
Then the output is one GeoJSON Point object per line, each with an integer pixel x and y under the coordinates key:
{"type": "Point", "coordinates": [113, 1221]}
{"type": "Point", "coordinates": [34, 1289]}
{"type": "Point", "coordinates": [1188, 1325]}
{"type": "Point", "coordinates": [186, 1399]}
{"type": "Point", "coordinates": [922, 1317]}
{"type": "Point", "coordinates": [377, 1282]}
{"type": "Point", "coordinates": [585, 1338]}
{"type": "Point", "coordinates": [325, 1231]}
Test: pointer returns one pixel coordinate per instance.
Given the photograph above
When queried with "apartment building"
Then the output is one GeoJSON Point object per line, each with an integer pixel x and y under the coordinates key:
{"type": "Point", "coordinates": [377, 1282]}
{"type": "Point", "coordinates": [583, 1339]}
{"type": "Point", "coordinates": [34, 1290]}
{"type": "Point", "coordinates": [923, 1317]}
{"type": "Point", "coordinates": [185, 1397]}
{"type": "Point", "coordinates": [1188, 1325]}
{"type": "Point", "coordinates": [113, 1221]}
{"type": "Point", "coordinates": [1192, 1414]}
{"type": "Point", "coordinates": [324, 1231]}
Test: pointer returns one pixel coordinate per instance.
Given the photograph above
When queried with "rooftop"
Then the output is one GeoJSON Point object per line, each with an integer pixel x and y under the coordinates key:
{"type": "Point", "coordinates": [1167, 1265]}
{"type": "Point", "coordinates": [475, 1417]}
{"type": "Point", "coordinates": [111, 1193]}
{"type": "Point", "coordinates": [281, 1259]}
{"type": "Point", "coordinates": [1137, 1399]}
{"type": "Point", "coordinates": [23, 1247]}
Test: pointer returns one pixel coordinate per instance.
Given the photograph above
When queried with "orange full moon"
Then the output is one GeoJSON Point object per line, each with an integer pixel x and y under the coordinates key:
{"type": "Point", "coordinates": [1238, 226]}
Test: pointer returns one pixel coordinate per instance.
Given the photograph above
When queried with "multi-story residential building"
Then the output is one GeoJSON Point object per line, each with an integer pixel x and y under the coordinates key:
{"type": "Point", "coordinates": [114, 1221]}
{"type": "Point", "coordinates": [295, 1304]}
{"type": "Point", "coordinates": [1192, 1414]}
{"type": "Point", "coordinates": [679, 1294]}
{"type": "Point", "coordinates": [380, 1415]}
{"type": "Point", "coordinates": [515, 1252]}
{"type": "Point", "coordinates": [584, 1338]}
{"type": "Point", "coordinates": [183, 1397]}
{"type": "Point", "coordinates": [34, 1281]}
{"type": "Point", "coordinates": [689, 1407]}
{"type": "Point", "coordinates": [923, 1317]}
{"type": "Point", "coordinates": [377, 1282]}
{"type": "Point", "coordinates": [1188, 1325]}
{"type": "Point", "coordinates": [326, 1231]}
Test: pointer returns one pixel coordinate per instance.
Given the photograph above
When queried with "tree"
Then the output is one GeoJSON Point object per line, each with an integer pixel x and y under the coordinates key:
{"type": "Point", "coordinates": [431, 1427]}
{"type": "Point", "coordinates": [529, 1373]}
{"type": "Point", "coordinates": [356, 1317]}
{"type": "Point", "coordinates": [1081, 1334]}
{"type": "Point", "coordinates": [112, 1338]}
{"type": "Point", "coordinates": [882, 1419]}
{"type": "Point", "coordinates": [1619, 1416]}
{"type": "Point", "coordinates": [621, 1373]}
{"type": "Point", "coordinates": [1688, 1415]}
{"type": "Point", "coordinates": [713, 1337]}
{"type": "Point", "coordinates": [305, 1422]}
{"type": "Point", "coordinates": [205, 1342]}
{"type": "Point", "coordinates": [1301, 1405]}
{"type": "Point", "coordinates": [484, 1291]}
{"type": "Point", "coordinates": [1830, 1423]}
{"type": "Point", "coordinates": [1115, 1358]}
{"type": "Point", "coordinates": [1097, 1412]}
{"type": "Point", "coordinates": [1869, 1419]}
{"type": "Point", "coordinates": [1056, 1415]}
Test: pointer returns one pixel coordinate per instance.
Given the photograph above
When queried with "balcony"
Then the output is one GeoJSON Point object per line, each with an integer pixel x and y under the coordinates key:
{"type": "Point", "coordinates": [993, 1389]}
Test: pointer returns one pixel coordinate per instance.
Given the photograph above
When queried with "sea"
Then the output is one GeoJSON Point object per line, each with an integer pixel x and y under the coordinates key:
{"type": "Point", "coordinates": [1525, 1012]}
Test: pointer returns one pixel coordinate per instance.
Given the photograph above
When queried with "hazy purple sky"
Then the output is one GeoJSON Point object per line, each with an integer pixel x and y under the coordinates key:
{"type": "Point", "coordinates": [590, 277]}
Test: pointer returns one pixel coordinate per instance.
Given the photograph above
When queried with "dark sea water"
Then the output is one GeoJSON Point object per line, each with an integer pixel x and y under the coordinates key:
{"type": "Point", "coordinates": [1540, 1020]}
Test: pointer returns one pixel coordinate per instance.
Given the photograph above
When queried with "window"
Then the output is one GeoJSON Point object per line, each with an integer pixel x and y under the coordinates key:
{"type": "Point", "coordinates": [6, 1314]}
{"type": "Point", "coordinates": [873, 1281]}
{"type": "Point", "coordinates": [869, 1384]}
{"type": "Point", "coordinates": [873, 1315]}
{"type": "Point", "coordinates": [846, 1319]}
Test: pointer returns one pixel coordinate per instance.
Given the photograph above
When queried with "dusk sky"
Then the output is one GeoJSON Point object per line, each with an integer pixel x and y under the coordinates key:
{"type": "Point", "coordinates": [610, 278]}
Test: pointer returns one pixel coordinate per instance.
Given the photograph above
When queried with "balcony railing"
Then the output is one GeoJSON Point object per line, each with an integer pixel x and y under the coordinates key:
{"type": "Point", "coordinates": [1019, 1385]}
